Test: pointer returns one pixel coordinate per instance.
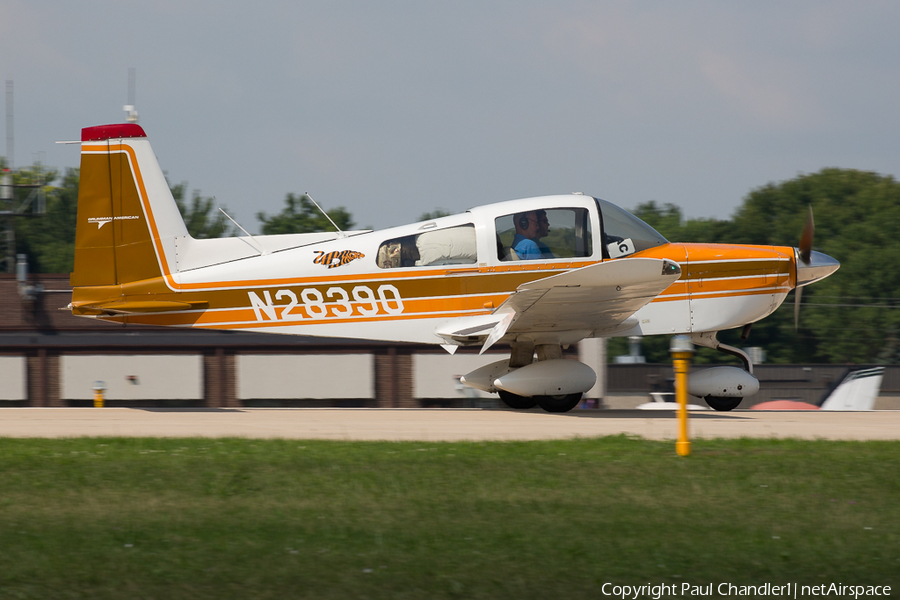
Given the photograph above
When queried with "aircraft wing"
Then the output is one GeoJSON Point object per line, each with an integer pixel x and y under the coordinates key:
{"type": "Point", "coordinates": [593, 298]}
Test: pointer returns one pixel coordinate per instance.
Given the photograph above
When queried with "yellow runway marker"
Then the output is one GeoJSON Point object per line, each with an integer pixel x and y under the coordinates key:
{"type": "Point", "coordinates": [682, 350]}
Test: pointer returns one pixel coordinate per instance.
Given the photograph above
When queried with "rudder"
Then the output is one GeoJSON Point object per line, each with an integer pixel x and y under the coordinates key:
{"type": "Point", "coordinates": [126, 214]}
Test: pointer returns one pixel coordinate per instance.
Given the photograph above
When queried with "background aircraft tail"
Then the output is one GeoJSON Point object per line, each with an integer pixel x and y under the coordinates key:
{"type": "Point", "coordinates": [858, 390]}
{"type": "Point", "coordinates": [127, 216]}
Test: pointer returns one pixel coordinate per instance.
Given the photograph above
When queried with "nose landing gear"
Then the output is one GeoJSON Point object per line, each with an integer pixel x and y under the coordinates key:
{"type": "Point", "coordinates": [708, 340]}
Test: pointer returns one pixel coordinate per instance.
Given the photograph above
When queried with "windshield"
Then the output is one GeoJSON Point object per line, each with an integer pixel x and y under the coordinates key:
{"type": "Point", "coordinates": [625, 234]}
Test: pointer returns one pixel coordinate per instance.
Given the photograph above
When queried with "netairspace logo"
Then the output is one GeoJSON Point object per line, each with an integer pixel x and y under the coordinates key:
{"type": "Point", "coordinates": [729, 590]}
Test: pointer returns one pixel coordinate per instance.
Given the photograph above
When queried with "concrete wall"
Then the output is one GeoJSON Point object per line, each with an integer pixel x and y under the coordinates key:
{"type": "Point", "coordinates": [314, 376]}
{"type": "Point", "coordinates": [133, 377]}
{"type": "Point", "coordinates": [13, 378]}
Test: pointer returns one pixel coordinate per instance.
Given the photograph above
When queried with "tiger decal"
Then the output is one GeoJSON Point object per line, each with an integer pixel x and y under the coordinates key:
{"type": "Point", "coordinates": [337, 258]}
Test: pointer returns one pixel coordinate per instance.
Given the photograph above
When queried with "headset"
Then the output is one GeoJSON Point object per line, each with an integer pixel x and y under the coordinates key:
{"type": "Point", "coordinates": [523, 221]}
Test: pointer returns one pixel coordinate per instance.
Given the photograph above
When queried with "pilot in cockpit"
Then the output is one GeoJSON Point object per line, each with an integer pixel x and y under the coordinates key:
{"type": "Point", "coordinates": [530, 228]}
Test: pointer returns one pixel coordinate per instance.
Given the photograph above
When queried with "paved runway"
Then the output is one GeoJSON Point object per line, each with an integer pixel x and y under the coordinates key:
{"type": "Point", "coordinates": [439, 424]}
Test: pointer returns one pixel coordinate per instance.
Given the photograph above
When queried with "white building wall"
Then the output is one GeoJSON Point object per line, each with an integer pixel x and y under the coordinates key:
{"type": "Point", "coordinates": [314, 376]}
{"type": "Point", "coordinates": [13, 378]}
{"type": "Point", "coordinates": [437, 375]}
{"type": "Point", "coordinates": [132, 377]}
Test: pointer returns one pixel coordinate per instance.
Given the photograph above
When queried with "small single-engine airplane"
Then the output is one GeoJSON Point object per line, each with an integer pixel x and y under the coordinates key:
{"type": "Point", "coordinates": [537, 274]}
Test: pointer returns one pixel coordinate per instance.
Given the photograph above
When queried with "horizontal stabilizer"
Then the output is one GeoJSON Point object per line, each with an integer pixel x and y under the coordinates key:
{"type": "Point", "coordinates": [126, 307]}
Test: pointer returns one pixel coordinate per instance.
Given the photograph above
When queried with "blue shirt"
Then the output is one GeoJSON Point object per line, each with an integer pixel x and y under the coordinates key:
{"type": "Point", "coordinates": [525, 248]}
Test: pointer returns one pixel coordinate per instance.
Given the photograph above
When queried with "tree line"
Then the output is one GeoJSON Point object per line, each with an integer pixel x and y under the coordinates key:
{"type": "Point", "coordinates": [48, 239]}
{"type": "Point", "coordinates": [851, 317]}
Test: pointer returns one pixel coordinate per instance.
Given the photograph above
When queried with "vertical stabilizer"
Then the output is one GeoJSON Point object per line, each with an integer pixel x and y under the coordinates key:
{"type": "Point", "coordinates": [127, 218]}
{"type": "Point", "coordinates": [857, 391]}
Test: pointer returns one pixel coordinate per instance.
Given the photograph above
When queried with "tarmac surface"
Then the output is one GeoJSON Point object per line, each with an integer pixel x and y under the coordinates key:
{"type": "Point", "coordinates": [440, 424]}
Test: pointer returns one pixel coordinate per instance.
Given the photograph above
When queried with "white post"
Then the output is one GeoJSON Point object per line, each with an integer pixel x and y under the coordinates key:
{"type": "Point", "coordinates": [592, 352]}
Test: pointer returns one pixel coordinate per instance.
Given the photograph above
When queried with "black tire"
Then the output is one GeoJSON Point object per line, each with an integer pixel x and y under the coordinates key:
{"type": "Point", "coordinates": [516, 401]}
{"type": "Point", "coordinates": [559, 404]}
{"type": "Point", "coordinates": [722, 404]}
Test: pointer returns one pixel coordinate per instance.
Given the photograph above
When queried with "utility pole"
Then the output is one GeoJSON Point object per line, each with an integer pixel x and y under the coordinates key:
{"type": "Point", "coordinates": [32, 205]}
{"type": "Point", "coordinates": [10, 146]}
{"type": "Point", "coordinates": [7, 191]}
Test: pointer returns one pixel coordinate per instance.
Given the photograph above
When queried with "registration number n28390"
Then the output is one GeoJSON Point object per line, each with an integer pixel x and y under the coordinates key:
{"type": "Point", "coordinates": [335, 302]}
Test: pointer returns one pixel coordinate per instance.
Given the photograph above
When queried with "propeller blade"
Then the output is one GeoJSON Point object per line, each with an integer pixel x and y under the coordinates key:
{"type": "Point", "coordinates": [804, 250]}
{"type": "Point", "coordinates": [806, 239]}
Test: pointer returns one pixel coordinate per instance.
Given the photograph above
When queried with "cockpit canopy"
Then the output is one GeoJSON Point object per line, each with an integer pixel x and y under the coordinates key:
{"type": "Point", "coordinates": [548, 228]}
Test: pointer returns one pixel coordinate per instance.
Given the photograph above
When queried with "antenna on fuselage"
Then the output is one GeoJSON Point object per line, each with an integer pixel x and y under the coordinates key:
{"type": "Point", "coordinates": [130, 111]}
{"type": "Point", "coordinates": [340, 232]}
{"type": "Point", "coordinates": [256, 245]}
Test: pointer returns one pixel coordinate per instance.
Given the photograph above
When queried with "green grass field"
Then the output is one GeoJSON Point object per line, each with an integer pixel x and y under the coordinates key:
{"type": "Point", "coordinates": [174, 518]}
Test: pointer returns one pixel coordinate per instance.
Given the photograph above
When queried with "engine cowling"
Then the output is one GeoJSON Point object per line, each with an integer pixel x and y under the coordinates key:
{"type": "Point", "coordinates": [722, 382]}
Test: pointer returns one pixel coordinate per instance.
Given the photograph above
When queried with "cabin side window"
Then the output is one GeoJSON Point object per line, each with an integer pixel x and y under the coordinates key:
{"type": "Point", "coordinates": [544, 234]}
{"type": "Point", "coordinates": [450, 246]}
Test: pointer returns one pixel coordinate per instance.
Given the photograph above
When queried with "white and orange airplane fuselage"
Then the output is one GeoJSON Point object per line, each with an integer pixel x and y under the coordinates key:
{"type": "Point", "coordinates": [538, 274]}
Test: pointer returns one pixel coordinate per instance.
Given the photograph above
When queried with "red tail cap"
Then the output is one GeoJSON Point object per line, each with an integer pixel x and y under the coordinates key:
{"type": "Point", "coordinates": [110, 132]}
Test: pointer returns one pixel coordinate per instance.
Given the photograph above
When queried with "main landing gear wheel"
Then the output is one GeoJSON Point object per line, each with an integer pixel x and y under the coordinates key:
{"type": "Point", "coordinates": [516, 401]}
{"type": "Point", "coordinates": [559, 404]}
{"type": "Point", "coordinates": [722, 404]}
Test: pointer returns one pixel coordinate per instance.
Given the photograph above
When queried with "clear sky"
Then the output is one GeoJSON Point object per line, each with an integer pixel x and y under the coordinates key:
{"type": "Point", "coordinates": [392, 109]}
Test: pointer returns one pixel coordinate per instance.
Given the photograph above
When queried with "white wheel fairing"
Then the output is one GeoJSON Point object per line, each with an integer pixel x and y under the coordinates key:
{"type": "Point", "coordinates": [556, 377]}
{"type": "Point", "coordinates": [722, 382]}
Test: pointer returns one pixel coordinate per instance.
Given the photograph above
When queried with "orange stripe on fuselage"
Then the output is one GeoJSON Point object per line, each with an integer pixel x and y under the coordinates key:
{"type": "Point", "coordinates": [170, 320]}
{"type": "Point", "coordinates": [303, 314]}
{"type": "Point", "coordinates": [730, 269]}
